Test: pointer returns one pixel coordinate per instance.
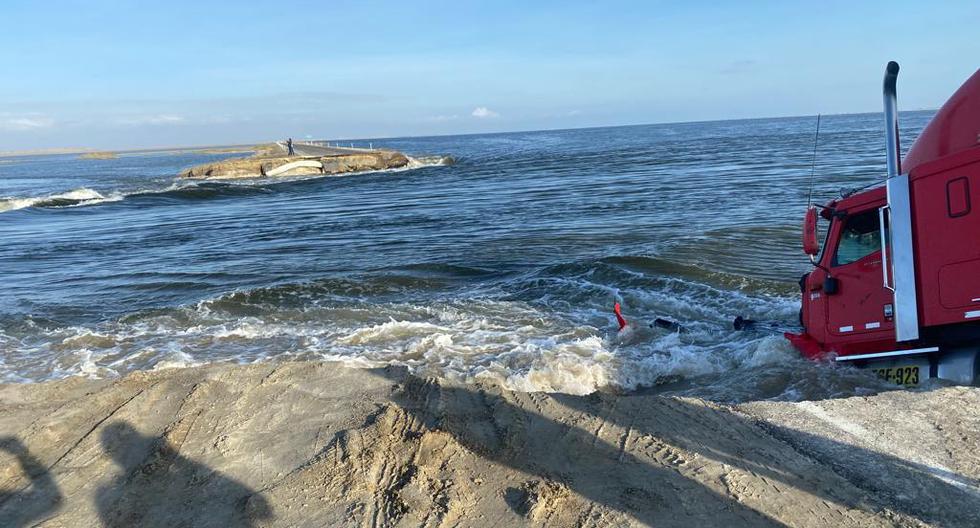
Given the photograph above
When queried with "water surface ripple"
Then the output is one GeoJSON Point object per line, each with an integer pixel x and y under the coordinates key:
{"type": "Point", "coordinates": [504, 265]}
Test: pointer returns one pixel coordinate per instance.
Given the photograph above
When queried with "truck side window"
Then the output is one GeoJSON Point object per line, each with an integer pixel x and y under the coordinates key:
{"type": "Point", "coordinates": [859, 238]}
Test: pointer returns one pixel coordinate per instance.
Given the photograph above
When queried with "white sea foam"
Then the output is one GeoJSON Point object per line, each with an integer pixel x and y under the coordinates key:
{"type": "Point", "coordinates": [74, 198]}
{"type": "Point", "coordinates": [176, 359]}
{"type": "Point", "coordinates": [389, 332]}
{"type": "Point", "coordinates": [428, 161]}
{"type": "Point", "coordinates": [518, 345]}
{"type": "Point", "coordinates": [521, 346]}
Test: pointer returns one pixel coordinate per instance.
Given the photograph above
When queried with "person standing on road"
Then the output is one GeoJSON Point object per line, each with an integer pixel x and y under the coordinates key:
{"type": "Point", "coordinates": [289, 147]}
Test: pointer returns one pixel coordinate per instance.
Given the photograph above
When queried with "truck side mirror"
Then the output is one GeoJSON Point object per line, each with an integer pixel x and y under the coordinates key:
{"type": "Point", "coordinates": [810, 245]}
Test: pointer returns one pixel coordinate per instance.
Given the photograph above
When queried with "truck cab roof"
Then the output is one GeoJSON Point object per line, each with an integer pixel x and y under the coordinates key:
{"type": "Point", "coordinates": [954, 128]}
{"type": "Point", "coordinates": [874, 195]}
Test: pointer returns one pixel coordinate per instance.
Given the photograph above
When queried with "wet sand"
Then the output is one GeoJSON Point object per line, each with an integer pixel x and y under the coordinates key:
{"type": "Point", "coordinates": [320, 444]}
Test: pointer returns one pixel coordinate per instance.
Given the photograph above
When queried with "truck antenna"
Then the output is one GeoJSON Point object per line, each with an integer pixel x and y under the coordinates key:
{"type": "Point", "coordinates": [813, 163]}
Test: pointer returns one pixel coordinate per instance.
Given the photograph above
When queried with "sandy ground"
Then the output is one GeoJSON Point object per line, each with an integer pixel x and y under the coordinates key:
{"type": "Point", "coordinates": [319, 444]}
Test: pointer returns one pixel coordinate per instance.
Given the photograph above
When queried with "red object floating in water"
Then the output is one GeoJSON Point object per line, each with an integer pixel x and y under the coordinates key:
{"type": "Point", "coordinates": [619, 316]}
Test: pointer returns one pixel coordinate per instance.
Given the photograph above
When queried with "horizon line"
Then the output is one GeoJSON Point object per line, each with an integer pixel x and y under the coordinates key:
{"type": "Point", "coordinates": [55, 151]}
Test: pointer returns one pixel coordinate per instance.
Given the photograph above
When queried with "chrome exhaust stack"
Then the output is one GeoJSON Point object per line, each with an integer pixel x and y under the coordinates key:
{"type": "Point", "coordinates": [897, 240]}
{"type": "Point", "coordinates": [891, 120]}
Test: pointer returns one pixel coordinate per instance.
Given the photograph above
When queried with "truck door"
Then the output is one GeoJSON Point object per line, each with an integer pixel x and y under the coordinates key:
{"type": "Point", "coordinates": [861, 305]}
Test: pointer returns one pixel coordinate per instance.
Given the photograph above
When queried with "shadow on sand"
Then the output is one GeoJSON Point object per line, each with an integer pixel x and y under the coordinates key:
{"type": "Point", "coordinates": [159, 487]}
{"type": "Point", "coordinates": [486, 423]}
{"type": "Point", "coordinates": [40, 499]}
{"type": "Point", "coordinates": [926, 493]}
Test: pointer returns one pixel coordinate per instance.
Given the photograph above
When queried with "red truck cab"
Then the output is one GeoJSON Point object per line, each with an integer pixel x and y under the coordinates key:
{"type": "Point", "coordinates": [897, 284]}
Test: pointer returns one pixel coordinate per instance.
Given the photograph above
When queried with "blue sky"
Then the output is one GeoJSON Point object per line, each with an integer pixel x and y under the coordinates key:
{"type": "Point", "coordinates": [125, 74]}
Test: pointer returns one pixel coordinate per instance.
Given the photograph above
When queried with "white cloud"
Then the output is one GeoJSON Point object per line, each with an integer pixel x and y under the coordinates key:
{"type": "Point", "coordinates": [26, 123]}
{"type": "Point", "coordinates": [442, 118]}
{"type": "Point", "coordinates": [482, 112]}
{"type": "Point", "coordinates": [158, 119]}
{"type": "Point", "coordinates": [164, 119]}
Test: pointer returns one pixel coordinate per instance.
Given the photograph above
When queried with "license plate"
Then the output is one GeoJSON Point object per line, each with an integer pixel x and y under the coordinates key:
{"type": "Point", "coordinates": [908, 376]}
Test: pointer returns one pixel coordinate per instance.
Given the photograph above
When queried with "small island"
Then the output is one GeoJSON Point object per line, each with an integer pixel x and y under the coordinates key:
{"type": "Point", "coordinates": [307, 159]}
{"type": "Point", "coordinates": [98, 155]}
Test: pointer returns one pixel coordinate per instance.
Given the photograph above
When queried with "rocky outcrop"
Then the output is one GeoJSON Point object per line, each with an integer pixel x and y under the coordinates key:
{"type": "Point", "coordinates": [274, 166]}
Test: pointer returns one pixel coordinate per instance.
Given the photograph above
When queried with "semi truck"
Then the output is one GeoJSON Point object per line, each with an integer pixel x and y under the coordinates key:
{"type": "Point", "coordinates": [895, 286]}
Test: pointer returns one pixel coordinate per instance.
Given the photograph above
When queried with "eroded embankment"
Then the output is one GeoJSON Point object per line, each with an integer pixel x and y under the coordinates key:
{"type": "Point", "coordinates": [308, 443]}
{"type": "Point", "coordinates": [273, 166]}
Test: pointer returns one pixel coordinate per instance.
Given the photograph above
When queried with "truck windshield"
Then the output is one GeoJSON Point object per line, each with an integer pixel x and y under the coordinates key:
{"type": "Point", "coordinates": [859, 238]}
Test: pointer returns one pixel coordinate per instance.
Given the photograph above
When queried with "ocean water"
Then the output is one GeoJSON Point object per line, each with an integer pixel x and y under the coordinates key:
{"type": "Point", "coordinates": [503, 266]}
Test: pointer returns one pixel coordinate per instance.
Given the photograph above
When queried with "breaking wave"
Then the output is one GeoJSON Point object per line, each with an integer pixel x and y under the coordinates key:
{"type": "Point", "coordinates": [75, 198]}
{"type": "Point", "coordinates": [556, 334]}
{"type": "Point", "coordinates": [418, 162]}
